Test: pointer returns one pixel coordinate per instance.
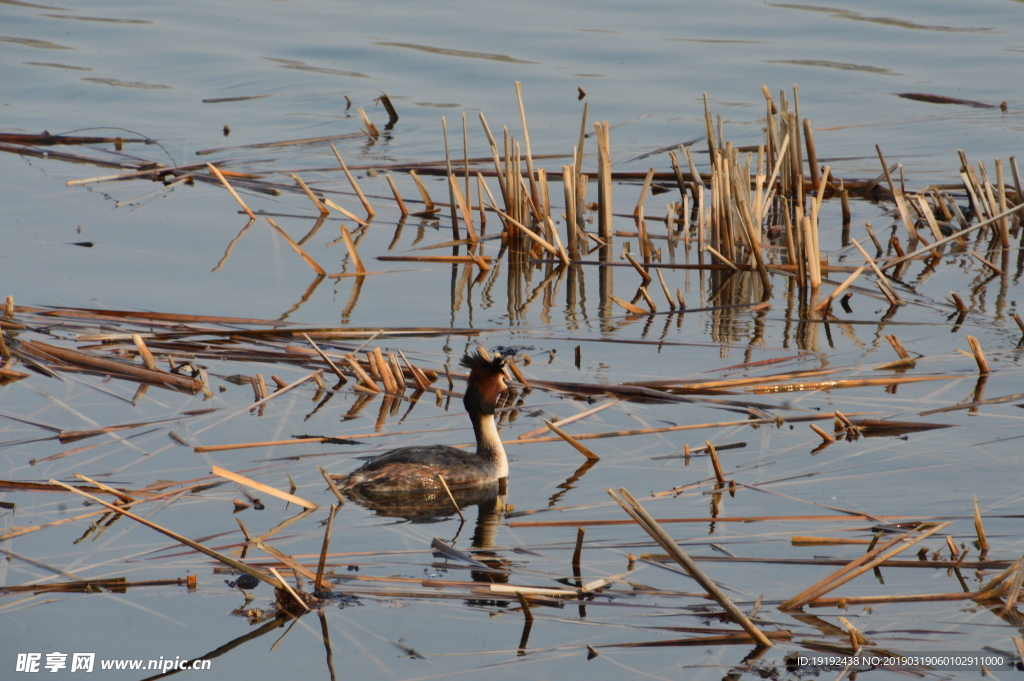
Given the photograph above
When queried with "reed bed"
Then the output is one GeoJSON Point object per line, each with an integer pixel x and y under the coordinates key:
{"type": "Point", "coordinates": [251, 401]}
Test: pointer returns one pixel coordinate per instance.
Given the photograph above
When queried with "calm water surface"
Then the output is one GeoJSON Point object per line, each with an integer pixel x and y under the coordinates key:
{"type": "Point", "coordinates": [178, 73]}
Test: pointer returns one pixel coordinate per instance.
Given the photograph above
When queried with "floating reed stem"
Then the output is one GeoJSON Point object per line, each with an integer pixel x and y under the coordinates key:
{"type": "Point", "coordinates": [266, 489]}
{"type": "Point", "coordinates": [651, 526]}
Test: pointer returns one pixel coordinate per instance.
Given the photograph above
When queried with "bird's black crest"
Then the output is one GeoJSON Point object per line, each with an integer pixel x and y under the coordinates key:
{"type": "Point", "coordinates": [475, 361]}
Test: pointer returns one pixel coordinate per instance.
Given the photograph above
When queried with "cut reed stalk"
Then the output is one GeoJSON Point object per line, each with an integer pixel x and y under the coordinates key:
{"type": "Point", "coordinates": [979, 356]}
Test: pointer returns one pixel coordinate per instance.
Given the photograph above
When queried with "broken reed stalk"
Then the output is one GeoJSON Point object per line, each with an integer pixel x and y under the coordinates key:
{"type": "Point", "coordinates": [651, 526]}
{"type": "Point", "coordinates": [371, 129]}
{"type": "Point", "coordinates": [330, 483]}
{"type": "Point", "coordinates": [953, 237]}
{"type": "Point", "coordinates": [825, 304]}
{"type": "Point", "coordinates": [147, 357]}
{"type": "Point", "coordinates": [715, 463]}
{"type": "Point", "coordinates": [353, 253]}
{"type": "Point", "coordinates": [824, 436]}
{"type": "Point", "coordinates": [324, 357]}
{"type": "Point", "coordinates": [318, 582]}
{"type": "Point", "coordinates": [230, 562]}
{"type": "Point", "coordinates": [572, 441]}
{"type": "Point", "coordinates": [578, 551]}
{"type": "Point", "coordinates": [979, 527]}
{"type": "Point", "coordinates": [352, 180]}
{"type": "Point", "coordinates": [979, 356]}
{"type": "Point", "coordinates": [287, 587]}
{"type": "Point", "coordinates": [312, 197]}
{"type": "Point", "coordinates": [604, 180]}
{"type": "Point", "coordinates": [220, 176]}
{"type": "Point", "coordinates": [450, 497]}
{"type": "Point", "coordinates": [297, 248]}
{"type": "Point", "coordinates": [526, 139]}
{"type": "Point", "coordinates": [398, 197]}
{"type": "Point", "coordinates": [882, 280]}
{"type": "Point", "coordinates": [467, 215]}
{"type": "Point", "coordinates": [861, 565]}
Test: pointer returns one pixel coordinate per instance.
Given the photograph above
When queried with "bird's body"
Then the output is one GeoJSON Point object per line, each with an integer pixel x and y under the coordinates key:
{"type": "Point", "coordinates": [417, 468]}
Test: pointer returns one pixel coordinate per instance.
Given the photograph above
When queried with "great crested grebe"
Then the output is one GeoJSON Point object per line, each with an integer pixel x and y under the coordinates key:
{"type": "Point", "coordinates": [416, 468]}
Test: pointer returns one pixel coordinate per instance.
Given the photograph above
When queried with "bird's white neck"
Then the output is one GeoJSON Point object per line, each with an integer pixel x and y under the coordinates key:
{"type": "Point", "coordinates": [488, 443]}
